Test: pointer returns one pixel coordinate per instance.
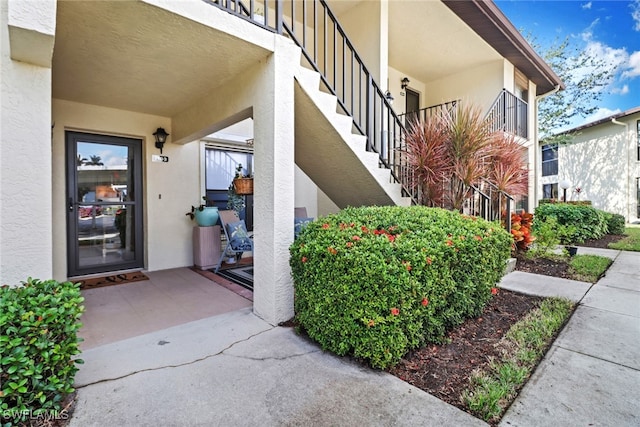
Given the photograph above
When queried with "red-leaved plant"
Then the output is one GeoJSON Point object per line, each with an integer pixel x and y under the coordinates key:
{"type": "Point", "coordinates": [521, 230]}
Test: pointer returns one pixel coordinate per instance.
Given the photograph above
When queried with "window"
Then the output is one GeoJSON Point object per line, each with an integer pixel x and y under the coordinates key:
{"type": "Point", "coordinates": [638, 126]}
{"type": "Point", "coordinates": [549, 159]}
{"type": "Point", "coordinates": [550, 191]}
{"type": "Point", "coordinates": [638, 196]}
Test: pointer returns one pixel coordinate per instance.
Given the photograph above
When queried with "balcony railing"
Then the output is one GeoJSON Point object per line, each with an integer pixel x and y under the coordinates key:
{"type": "Point", "coordinates": [447, 108]}
{"type": "Point", "coordinates": [509, 114]}
{"type": "Point", "coordinates": [314, 28]}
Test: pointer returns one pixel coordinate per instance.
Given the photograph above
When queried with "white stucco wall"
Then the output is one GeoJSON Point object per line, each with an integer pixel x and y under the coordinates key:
{"type": "Point", "coordinates": [25, 164]}
{"type": "Point", "coordinates": [480, 85]}
{"type": "Point", "coordinates": [603, 163]}
{"type": "Point", "coordinates": [395, 87]}
{"type": "Point", "coordinates": [367, 26]}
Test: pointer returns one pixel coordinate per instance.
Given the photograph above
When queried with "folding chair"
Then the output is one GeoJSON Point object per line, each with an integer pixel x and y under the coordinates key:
{"type": "Point", "coordinates": [238, 239]}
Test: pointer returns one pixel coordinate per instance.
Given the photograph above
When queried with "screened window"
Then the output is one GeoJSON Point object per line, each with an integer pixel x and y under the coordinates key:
{"type": "Point", "coordinates": [550, 191]}
{"type": "Point", "coordinates": [550, 159]}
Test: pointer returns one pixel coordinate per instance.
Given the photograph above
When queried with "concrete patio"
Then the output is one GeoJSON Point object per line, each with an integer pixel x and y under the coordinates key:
{"type": "Point", "coordinates": [234, 369]}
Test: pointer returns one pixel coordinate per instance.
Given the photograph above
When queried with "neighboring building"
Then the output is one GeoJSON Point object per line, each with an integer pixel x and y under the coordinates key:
{"type": "Point", "coordinates": [85, 85]}
{"type": "Point", "coordinates": [602, 161]}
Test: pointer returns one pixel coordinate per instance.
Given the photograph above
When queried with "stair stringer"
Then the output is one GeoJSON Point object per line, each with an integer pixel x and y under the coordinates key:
{"type": "Point", "coordinates": [333, 156]}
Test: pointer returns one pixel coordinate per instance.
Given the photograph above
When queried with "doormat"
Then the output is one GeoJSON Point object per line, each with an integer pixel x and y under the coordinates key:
{"type": "Point", "coordinates": [115, 279]}
{"type": "Point", "coordinates": [242, 275]}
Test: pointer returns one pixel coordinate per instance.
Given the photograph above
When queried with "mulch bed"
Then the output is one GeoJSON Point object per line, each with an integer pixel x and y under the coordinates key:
{"type": "Point", "coordinates": [604, 242]}
{"type": "Point", "coordinates": [444, 370]}
{"type": "Point", "coordinates": [548, 267]}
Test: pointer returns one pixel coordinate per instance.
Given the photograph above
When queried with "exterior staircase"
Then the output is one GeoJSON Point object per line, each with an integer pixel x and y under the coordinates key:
{"type": "Point", "coordinates": [335, 157]}
{"type": "Point", "coordinates": [348, 139]}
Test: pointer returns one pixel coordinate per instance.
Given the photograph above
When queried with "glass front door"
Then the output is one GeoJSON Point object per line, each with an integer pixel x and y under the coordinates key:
{"type": "Point", "coordinates": [104, 203]}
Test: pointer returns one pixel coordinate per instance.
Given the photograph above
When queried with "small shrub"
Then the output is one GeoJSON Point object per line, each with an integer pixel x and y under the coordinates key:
{"type": "Point", "coordinates": [615, 223]}
{"type": "Point", "coordinates": [521, 230]}
{"type": "Point", "coordinates": [582, 222]}
{"type": "Point", "coordinates": [38, 327]}
{"type": "Point", "coordinates": [547, 236]}
{"type": "Point", "coordinates": [375, 282]}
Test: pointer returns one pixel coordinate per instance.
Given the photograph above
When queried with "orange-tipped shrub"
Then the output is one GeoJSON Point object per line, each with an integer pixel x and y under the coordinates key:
{"type": "Point", "coordinates": [521, 230]}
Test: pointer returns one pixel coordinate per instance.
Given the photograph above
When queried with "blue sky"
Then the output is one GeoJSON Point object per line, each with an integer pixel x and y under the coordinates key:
{"type": "Point", "coordinates": [609, 29]}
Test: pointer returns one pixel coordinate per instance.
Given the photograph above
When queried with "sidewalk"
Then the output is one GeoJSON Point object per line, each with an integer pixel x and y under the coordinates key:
{"type": "Point", "coordinates": [236, 370]}
{"type": "Point", "coordinates": [591, 374]}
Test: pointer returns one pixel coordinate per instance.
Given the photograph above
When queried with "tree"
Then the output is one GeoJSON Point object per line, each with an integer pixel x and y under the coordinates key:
{"type": "Point", "coordinates": [586, 76]}
{"type": "Point", "coordinates": [95, 161]}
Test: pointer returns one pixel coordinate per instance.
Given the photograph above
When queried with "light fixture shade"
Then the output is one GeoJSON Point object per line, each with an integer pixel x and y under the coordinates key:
{"type": "Point", "coordinates": [564, 184]}
{"type": "Point", "coordinates": [388, 97]}
{"type": "Point", "coordinates": [404, 83]}
{"type": "Point", "coordinates": [161, 137]}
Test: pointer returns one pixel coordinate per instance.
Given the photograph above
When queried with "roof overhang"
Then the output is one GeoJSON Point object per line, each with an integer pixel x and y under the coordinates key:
{"type": "Point", "coordinates": [486, 19]}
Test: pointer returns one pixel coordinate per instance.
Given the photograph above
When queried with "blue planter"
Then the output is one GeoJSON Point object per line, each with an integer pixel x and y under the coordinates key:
{"type": "Point", "coordinates": [208, 217]}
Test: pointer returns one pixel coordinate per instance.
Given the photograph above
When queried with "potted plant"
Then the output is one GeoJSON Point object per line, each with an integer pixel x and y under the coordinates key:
{"type": "Point", "coordinates": [205, 216]}
{"type": "Point", "coordinates": [242, 184]}
{"type": "Point", "coordinates": [235, 201]}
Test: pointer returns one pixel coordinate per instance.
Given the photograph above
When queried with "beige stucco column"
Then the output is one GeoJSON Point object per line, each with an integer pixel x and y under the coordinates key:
{"type": "Point", "coordinates": [273, 115]}
{"type": "Point", "coordinates": [26, 41]}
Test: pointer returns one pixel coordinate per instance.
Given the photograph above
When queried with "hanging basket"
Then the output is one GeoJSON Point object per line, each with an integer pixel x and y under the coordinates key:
{"type": "Point", "coordinates": [243, 186]}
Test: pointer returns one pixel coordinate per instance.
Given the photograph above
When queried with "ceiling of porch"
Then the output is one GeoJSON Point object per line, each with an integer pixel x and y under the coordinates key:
{"type": "Point", "coordinates": [426, 39]}
{"type": "Point", "coordinates": [137, 57]}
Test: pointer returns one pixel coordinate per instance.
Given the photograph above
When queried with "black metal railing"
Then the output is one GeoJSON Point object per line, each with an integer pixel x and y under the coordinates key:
{"type": "Point", "coordinates": [446, 108]}
{"type": "Point", "coordinates": [487, 201]}
{"type": "Point", "coordinates": [509, 114]}
{"type": "Point", "coordinates": [314, 28]}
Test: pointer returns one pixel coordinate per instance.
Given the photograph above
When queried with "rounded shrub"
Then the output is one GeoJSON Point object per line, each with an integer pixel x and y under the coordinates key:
{"type": "Point", "coordinates": [39, 322]}
{"type": "Point", "coordinates": [615, 223]}
{"type": "Point", "coordinates": [375, 282]}
{"type": "Point", "coordinates": [577, 222]}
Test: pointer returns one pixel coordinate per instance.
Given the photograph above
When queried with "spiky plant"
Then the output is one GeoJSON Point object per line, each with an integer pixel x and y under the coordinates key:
{"type": "Point", "coordinates": [427, 157]}
{"type": "Point", "coordinates": [469, 143]}
{"type": "Point", "coordinates": [508, 171]}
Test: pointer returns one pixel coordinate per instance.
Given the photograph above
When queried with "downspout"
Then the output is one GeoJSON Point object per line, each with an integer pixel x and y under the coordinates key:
{"type": "Point", "coordinates": [536, 175]}
{"type": "Point", "coordinates": [626, 146]}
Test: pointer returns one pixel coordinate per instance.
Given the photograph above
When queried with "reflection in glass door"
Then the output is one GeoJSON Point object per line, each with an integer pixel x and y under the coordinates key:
{"type": "Point", "coordinates": [104, 203]}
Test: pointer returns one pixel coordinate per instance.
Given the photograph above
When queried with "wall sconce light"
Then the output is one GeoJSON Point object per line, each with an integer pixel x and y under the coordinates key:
{"type": "Point", "coordinates": [389, 97]}
{"type": "Point", "coordinates": [161, 137]}
{"type": "Point", "coordinates": [404, 83]}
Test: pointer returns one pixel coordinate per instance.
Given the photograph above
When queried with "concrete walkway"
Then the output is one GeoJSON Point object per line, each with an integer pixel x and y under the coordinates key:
{"type": "Point", "coordinates": [236, 370]}
{"type": "Point", "coordinates": [591, 374]}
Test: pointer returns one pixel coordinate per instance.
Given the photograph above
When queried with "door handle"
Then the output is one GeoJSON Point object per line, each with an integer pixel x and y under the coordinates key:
{"type": "Point", "coordinates": [70, 204]}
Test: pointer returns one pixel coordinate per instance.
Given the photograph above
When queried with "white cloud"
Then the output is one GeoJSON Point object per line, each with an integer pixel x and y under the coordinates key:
{"type": "Point", "coordinates": [632, 66]}
{"type": "Point", "coordinates": [586, 5]}
{"type": "Point", "coordinates": [635, 14]}
{"type": "Point", "coordinates": [621, 90]}
{"type": "Point", "coordinates": [601, 113]}
{"type": "Point", "coordinates": [587, 34]}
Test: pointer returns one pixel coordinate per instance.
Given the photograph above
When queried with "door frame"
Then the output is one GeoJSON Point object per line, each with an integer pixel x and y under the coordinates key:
{"type": "Point", "coordinates": [72, 202]}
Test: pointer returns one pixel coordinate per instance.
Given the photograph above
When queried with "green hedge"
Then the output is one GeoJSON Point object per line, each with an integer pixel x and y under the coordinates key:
{"type": "Point", "coordinates": [375, 282]}
{"type": "Point", "coordinates": [570, 202]}
{"type": "Point", "coordinates": [38, 338]}
{"type": "Point", "coordinates": [578, 222]}
{"type": "Point", "coordinates": [615, 223]}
